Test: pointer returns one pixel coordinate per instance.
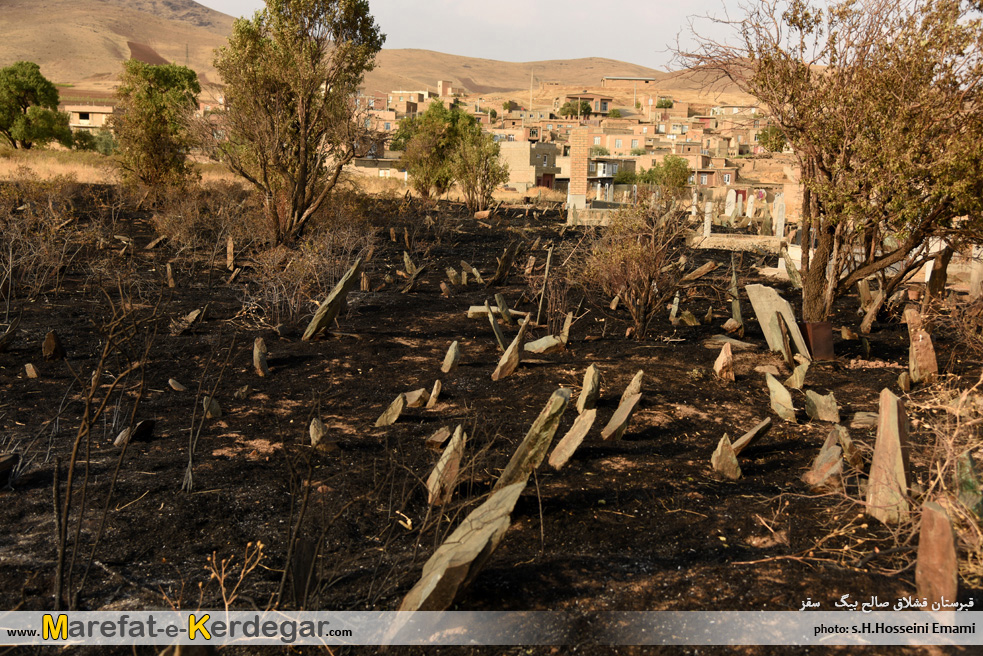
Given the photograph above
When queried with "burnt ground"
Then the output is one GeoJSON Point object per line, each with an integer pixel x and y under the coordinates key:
{"type": "Point", "coordinates": [640, 524]}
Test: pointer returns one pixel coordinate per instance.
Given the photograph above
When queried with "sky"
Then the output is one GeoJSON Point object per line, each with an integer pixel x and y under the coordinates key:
{"type": "Point", "coordinates": [636, 31]}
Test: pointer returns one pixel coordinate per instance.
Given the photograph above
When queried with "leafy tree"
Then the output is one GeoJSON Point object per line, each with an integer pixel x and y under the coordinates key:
{"type": "Point", "coordinates": [614, 113]}
{"type": "Point", "coordinates": [492, 114]}
{"type": "Point", "coordinates": [154, 109]}
{"type": "Point", "coordinates": [625, 176]}
{"type": "Point", "coordinates": [664, 103]}
{"type": "Point", "coordinates": [599, 151]}
{"type": "Point", "coordinates": [291, 73]}
{"type": "Point", "coordinates": [581, 109]}
{"type": "Point", "coordinates": [510, 105]}
{"type": "Point", "coordinates": [883, 106]}
{"type": "Point", "coordinates": [29, 108]}
{"type": "Point", "coordinates": [638, 151]}
{"type": "Point", "coordinates": [428, 142]}
{"type": "Point", "coordinates": [83, 140]}
{"type": "Point", "coordinates": [772, 139]}
{"type": "Point", "coordinates": [476, 167]}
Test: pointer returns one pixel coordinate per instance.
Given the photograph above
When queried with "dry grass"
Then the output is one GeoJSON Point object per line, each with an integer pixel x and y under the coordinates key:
{"type": "Point", "coordinates": [49, 164]}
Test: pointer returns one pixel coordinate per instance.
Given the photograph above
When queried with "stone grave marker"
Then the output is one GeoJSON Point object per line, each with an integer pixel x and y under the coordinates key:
{"type": "Point", "coordinates": [451, 359]}
{"type": "Point", "coordinates": [392, 413]}
{"type": "Point", "coordinates": [212, 409]}
{"type": "Point", "coordinates": [496, 329]}
{"type": "Point", "coordinates": [443, 478]}
{"type": "Point", "coordinates": [922, 364]}
{"type": "Point", "coordinates": [259, 357]}
{"type": "Point", "coordinates": [328, 311]}
{"type": "Point", "coordinates": [544, 345]}
{"type": "Point", "coordinates": [723, 367]}
{"type": "Point", "coordinates": [417, 398]}
{"type": "Point", "coordinates": [504, 310]}
{"type": "Point", "coordinates": [176, 386]}
{"type": "Point", "coordinates": [780, 215]}
{"type": "Point", "coordinates": [52, 349]}
{"type": "Point", "coordinates": [619, 422]}
{"type": "Point", "coordinates": [590, 390]}
{"type": "Point", "coordinates": [967, 484]}
{"type": "Point", "coordinates": [434, 394]}
{"type": "Point", "coordinates": [536, 443]}
{"type": "Point", "coordinates": [827, 468]}
{"type": "Point", "coordinates": [850, 453]}
{"type": "Point", "coordinates": [513, 354]}
{"type": "Point", "coordinates": [745, 440]}
{"type": "Point", "coordinates": [936, 566]}
{"type": "Point", "coordinates": [436, 441]}
{"type": "Point", "coordinates": [724, 460]}
{"type": "Point", "coordinates": [822, 408]}
{"type": "Point", "coordinates": [781, 400]}
{"type": "Point", "coordinates": [798, 377]}
{"type": "Point", "coordinates": [766, 303]}
{"type": "Point", "coordinates": [729, 203]}
{"type": "Point", "coordinates": [566, 447]}
{"type": "Point", "coordinates": [887, 485]}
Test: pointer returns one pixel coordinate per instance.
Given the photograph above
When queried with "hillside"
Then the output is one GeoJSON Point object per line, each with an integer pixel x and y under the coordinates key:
{"type": "Point", "coordinates": [85, 46]}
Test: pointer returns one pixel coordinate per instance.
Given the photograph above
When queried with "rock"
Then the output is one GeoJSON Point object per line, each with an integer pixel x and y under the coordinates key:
{"type": "Point", "coordinates": [827, 468]}
{"type": "Point", "coordinates": [496, 329]}
{"type": "Point", "coordinates": [767, 369]}
{"type": "Point", "coordinates": [242, 393]}
{"type": "Point", "coordinates": [544, 345]}
{"type": "Point", "coordinates": [687, 318]}
{"type": "Point", "coordinates": [887, 486]}
{"type": "Point", "coordinates": [259, 357]}
{"type": "Point", "coordinates": [504, 310]}
{"type": "Point", "coordinates": [766, 304]}
{"type": "Point", "coordinates": [143, 431]}
{"type": "Point", "coordinates": [170, 276]}
{"type": "Point", "coordinates": [745, 440]}
{"type": "Point", "coordinates": [850, 453]}
{"type": "Point", "coordinates": [52, 348]}
{"type": "Point", "coordinates": [510, 359]}
{"type": "Point", "coordinates": [408, 264]}
{"type": "Point", "coordinates": [476, 311]}
{"type": "Point", "coordinates": [798, 377]}
{"type": "Point", "coordinates": [904, 382]}
{"type": "Point", "coordinates": [936, 567]}
{"type": "Point", "coordinates": [864, 420]}
{"type": "Point", "coordinates": [30, 370]}
{"type": "Point", "coordinates": [536, 443]}
{"type": "Point", "coordinates": [453, 275]}
{"type": "Point", "coordinates": [365, 284]}
{"type": "Point", "coordinates": [445, 290]}
{"type": "Point", "coordinates": [474, 272]}
{"type": "Point", "coordinates": [328, 311]}
{"type": "Point", "coordinates": [451, 359]}
{"type": "Point", "coordinates": [176, 386]}
{"type": "Point", "coordinates": [912, 318]}
{"type": "Point", "coordinates": [732, 325]}
{"type": "Point", "coordinates": [212, 409]}
{"type": "Point", "coordinates": [436, 441]}
{"type": "Point", "coordinates": [565, 332]}
{"type": "Point", "coordinates": [590, 390]}
{"type": "Point", "coordinates": [443, 478]}
{"type": "Point", "coordinates": [921, 357]}
{"type": "Point", "coordinates": [575, 436]}
{"type": "Point", "coordinates": [392, 413]}
{"type": "Point", "coordinates": [619, 422]}
{"type": "Point", "coordinates": [822, 408]}
{"type": "Point", "coordinates": [318, 432]}
{"type": "Point", "coordinates": [457, 561]}
{"type": "Point", "coordinates": [182, 324]}
{"type": "Point", "coordinates": [417, 398]}
{"type": "Point", "coordinates": [634, 387]}
{"type": "Point", "coordinates": [434, 394]}
{"type": "Point", "coordinates": [847, 334]}
{"type": "Point", "coordinates": [967, 484]}
{"type": "Point", "coordinates": [724, 460]}
{"type": "Point", "coordinates": [781, 400]}
{"type": "Point", "coordinates": [723, 367]}
{"type": "Point", "coordinates": [717, 341]}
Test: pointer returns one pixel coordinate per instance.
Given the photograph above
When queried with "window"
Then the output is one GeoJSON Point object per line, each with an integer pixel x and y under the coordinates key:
{"type": "Point", "coordinates": [692, 178]}
{"type": "Point", "coordinates": [549, 127]}
{"type": "Point", "coordinates": [389, 126]}
{"type": "Point", "coordinates": [645, 130]}
{"type": "Point", "coordinates": [617, 143]}
{"type": "Point", "coordinates": [84, 116]}
{"type": "Point", "coordinates": [634, 143]}
{"type": "Point", "coordinates": [726, 178]}
{"type": "Point", "coordinates": [546, 160]}
{"type": "Point", "coordinates": [703, 178]}
{"type": "Point", "coordinates": [614, 169]}
{"type": "Point", "coordinates": [757, 123]}
{"type": "Point", "coordinates": [592, 167]}
{"type": "Point", "coordinates": [604, 106]}
{"type": "Point", "coordinates": [597, 141]}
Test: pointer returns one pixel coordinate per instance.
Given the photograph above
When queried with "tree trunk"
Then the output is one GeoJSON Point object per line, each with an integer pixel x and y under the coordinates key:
{"type": "Point", "coordinates": [815, 281]}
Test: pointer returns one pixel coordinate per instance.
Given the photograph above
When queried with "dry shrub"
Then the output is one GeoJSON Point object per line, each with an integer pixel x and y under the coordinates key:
{"type": "Point", "coordinates": [40, 234]}
{"type": "Point", "coordinates": [633, 258]}
{"type": "Point", "coordinates": [288, 281]}
{"type": "Point", "coordinates": [204, 215]}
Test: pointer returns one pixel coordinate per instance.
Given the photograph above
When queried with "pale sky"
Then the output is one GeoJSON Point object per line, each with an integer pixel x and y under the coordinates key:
{"type": "Point", "coordinates": [635, 31]}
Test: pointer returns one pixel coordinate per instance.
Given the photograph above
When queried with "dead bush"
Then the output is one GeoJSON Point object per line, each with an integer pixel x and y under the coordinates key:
{"type": "Point", "coordinates": [201, 216]}
{"type": "Point", "coordinates": [635, 257]}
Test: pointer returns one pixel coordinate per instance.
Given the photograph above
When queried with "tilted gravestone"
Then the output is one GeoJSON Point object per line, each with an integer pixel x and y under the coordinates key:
{"type": "Point", "coordinates": [328, 311]}
{"type": "Point", "coordinates": [724, 460]}
{"type": "Point", "coordinates": [536, 443]}
{"type": "Point", "coordinates": [936, 567]}
{"type": "Point", "coordinates": [574, 438]}
{"type": "Point", "coordinates": [887, 485]}
{"type": "Point", "coordinates": [781, 400]}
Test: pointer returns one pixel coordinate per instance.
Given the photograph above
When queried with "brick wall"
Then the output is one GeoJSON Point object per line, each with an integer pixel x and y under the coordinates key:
{"type": "Point", "coordinates": [580, 141]}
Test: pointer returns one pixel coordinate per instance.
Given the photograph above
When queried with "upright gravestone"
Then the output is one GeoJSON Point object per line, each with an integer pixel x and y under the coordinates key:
{"type": "Point", "coordinates": [936, 568]}
{"type": "Point", "coordinates": [976, 274]}
{"type": "Point", "coordinates": [694, 206]}
{"type": "Point", "coordinates": [738, 211]}
{"type": "Point", "coordinates": [750, 205]}
{"type": "Point", "coordinates": [779, 216]}
{"type": "Point", "coordinates": [730, 202]}
{"type": "Point", "coordinates": [781, 400]}
{"type": "Point", "coordinates": [887, 486]}
{"type": "Point", "coordinates": [766, 222]}
{"type": "Point", "coordinates": [707, 219]}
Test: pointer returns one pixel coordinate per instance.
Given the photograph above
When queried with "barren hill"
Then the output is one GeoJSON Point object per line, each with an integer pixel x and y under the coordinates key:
{"type": "Point", "coordinates": [84, 45]}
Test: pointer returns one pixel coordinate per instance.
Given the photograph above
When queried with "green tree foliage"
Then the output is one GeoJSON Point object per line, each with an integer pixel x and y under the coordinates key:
{"type": "Point", "coordinates": [581, 109]}
{"type": "Point", "coordinates": [772, 139]}
{"type": "Point", "coordinates": [510, 105]}
{"type": "Point", "coordinates": [29, 108]}
{"type": "Point", "coordinates": [883, 105]}
{"type": "Point", "coordinates": [291, 73]}
{"type": "Point", "coordinates": [492, 114]}
{"type": "Point", "coordinates": [614, 113]}
{"type": "Point", "coordinates": [625, 176]}
{"type": "Point", "coordinates": [599, 151]}
{"type": "Point", "coordinates": [151, 124]}
{"type": "Point", "coordinates": [428, 142]}
{"type": "Point", "coordinates": [664, 103]}
{"type": "Point", "coordinates": [671, 176]}
{"type": "Point", "coordinates": [638, 151]}
{"type": "Point", "coordinates": [476, 166]}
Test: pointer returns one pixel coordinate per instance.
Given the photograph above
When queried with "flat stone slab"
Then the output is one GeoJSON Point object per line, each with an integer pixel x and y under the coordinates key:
{"type": "Point", "coordinates": [544, 345]}
{"type": "Point", "coordinates": [619, 422]}
{"type": "Point", "coordinates": [392, 413]}
{"type": "Point", "coordinates": [478, 311]}
{"type": "Point", "coordinates": [536, 443]}
{"type": "Point", "coordinates": [212, 409]}
{"type": "Point", "coordinates": [887, 485]}
{"type": "Point", "coordinates": [798, 377]}
{"type": "Point", "coordinates": [781, 400]}
{"type": "Point", "coordinates": [513, 354]}
{"type": "Point", "coordinates": [260, 355]}
{"type": "Point", "coordinates": [417, 398]}
{"type": "Point", "coordinates": [822, 408]}
{"type": "Point", "coordinates": [436, 441]}
{"type": "Point", "coordinates": [864, 420]}
{"type": "Point", "coordinates": [936, 567]}
{"type": "Point", "coordinates": [718, 341]}
{"type": "Point", "coordinates": [443, 478]}
{"type": "Point", "coordinates": [766, 302]}
{"type": "Point", "coordinates": [827, 468]}
{"type": "Point", "coordinates": [590, 390]}
{"type": "Point", "coordinates": [723, 367]}
{"type": "Point", "coordinates": [745, 440]}
{"type": "Point", "coordinates": [737, 243]}
{"type": "Point", "coordinates": [566, 447]}
{"type": "Point", "coordinates": [434, 394]}
{"type": "Point", "coordinates": [634, 387]}
{"type": "Point", "coordinates": [457, 561]}
{"type": "Point", "coordinates": [724, 460]}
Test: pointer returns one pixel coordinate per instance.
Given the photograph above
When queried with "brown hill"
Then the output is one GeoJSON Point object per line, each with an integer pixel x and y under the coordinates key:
{"type": "Point", "coordinates": [86, 42]}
